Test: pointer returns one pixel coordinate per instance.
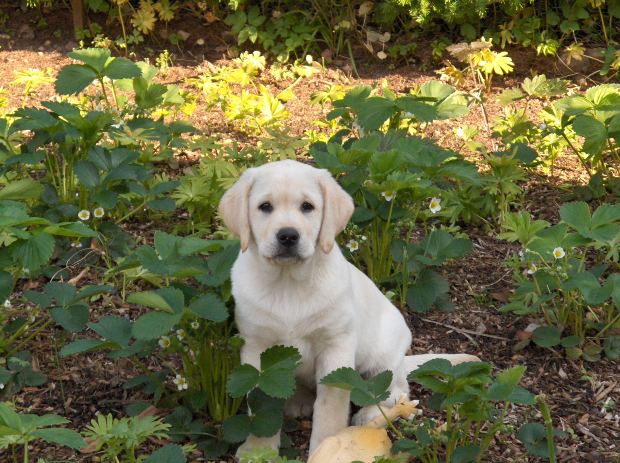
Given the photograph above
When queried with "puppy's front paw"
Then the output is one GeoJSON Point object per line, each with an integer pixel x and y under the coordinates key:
{"type": "Point", "coordinates": [253, 443]}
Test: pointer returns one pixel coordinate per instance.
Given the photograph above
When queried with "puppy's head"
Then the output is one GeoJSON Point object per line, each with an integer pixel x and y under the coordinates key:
{"type": "Point", "coordinates": [287, 208]}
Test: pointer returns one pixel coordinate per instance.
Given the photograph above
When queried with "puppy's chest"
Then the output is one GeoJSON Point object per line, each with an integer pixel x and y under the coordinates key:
{"type": "Point", "coordinates": [289, 317]}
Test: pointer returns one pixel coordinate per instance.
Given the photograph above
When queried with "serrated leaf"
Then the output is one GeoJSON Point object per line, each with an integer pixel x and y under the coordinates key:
{"type": "Point", "coordinates": [112, 328]}
{"type": "Point", "coordinates": [20, 190]}
{"type": "Point", "coordinates": [170, 453]}
{"type": "Point", "coordinates": [121, 68]}
{"type": "Point", "coordinates": [87, 173]}
{"type": "Point", "coordinates": [280, 357]}
{"type": "Point", "coordinates": [593, 131]}
{"type": "Point", "coordinates": [343, 378]}
{"type": "Point", "coordinates": [169, 299]}
{"type": "Point", "coordinates": [80, 346]}
{"type": "Point", "coordinates": [93, 57]}
{"type": "Point", "coordinates": [237, 428]}
{"type": "Point", "coordinates": [426, 291]}
{"type": "Point", "coordinates": [71, 229]}
{"type": "Point", "coordinates": [210, 307]}
{"type": "Point", "coordinates": [72, 319]}
{"type": "Point", "coordinates": [242, 380]}
{"type": "Point", "coordinates": [61, 436]}
{"type": "Point", "coordinates": [153, 325]}
{"type": "Point", "coordinates": [277, 383]}
{"type": "Point", "coordinates": [546, 336]}
{"type": "Point", "coordinates": [577, 215]}
{"type": "Point", "coordinates": [73, 78]}
{"type": "Point", "coordinates": [6, 285]}
{"type": "Point", "coordinates": [465, 454]}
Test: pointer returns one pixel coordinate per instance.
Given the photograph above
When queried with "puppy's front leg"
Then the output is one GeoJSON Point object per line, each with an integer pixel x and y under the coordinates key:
{"type": "Point", "coordinates": [331, 408]}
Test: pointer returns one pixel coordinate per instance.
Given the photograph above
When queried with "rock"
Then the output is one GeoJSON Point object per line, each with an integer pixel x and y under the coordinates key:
{"type": "Point", "coordinates": [25, 32]}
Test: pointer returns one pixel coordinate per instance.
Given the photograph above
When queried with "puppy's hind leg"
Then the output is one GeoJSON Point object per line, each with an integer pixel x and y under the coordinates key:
{"type": "Point", "coordinates": [398, 388]}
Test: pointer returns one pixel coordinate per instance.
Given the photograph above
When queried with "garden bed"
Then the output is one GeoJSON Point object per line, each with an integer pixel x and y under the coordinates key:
{"type": "Point", "coordinates": [480, 283]}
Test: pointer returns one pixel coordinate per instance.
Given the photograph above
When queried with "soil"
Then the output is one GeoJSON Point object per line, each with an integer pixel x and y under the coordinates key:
{"type": "Point", "coordinates": [480, 282]}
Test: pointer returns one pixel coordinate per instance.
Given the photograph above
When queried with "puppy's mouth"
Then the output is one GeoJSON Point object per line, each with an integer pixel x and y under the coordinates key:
{"type": "Point", "coordinates": [286, 256]}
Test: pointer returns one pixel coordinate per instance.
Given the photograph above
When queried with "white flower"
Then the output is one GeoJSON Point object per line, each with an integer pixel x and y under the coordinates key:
{"type": "Point", "coordinates": [353, 245]}
{"type": "Point", "coordinates": [180, 382]}
{"type": "Point", "coordinates": [164, 342]}
{"type": "Point", "coordinates": [558, 253]}
{"type": "Point", "coordinates": [388, 195]}
{"type": "Point", "coordinates": [309, 59]}
{"type": "Point", "coordinates": [435, 205]}
{"type": "Point", "coordinates": [460, 132]}
{"type": "Point", "coordinates": [521, 254]}
{"type": "Point", "coordinates": [195, 324]}
{"type": "Point", "coordinates": [381, 55]}
{"type": "Point", "coordinates": [7, 304]}
{"type": "Point", "coordinates": [531, 270]}
{"type": "Point", "coordinates": [181, 334]}
{"type": "Point", "coordinates": [1, 385]}
{"type": "Point", "coordinates": [542, 126]}
{"type": "Point", "coordinates": [84, 215]}
{"type": "Point", "coordinates": [98, 212]}
{"type": "Point", "coordinates": [363, 237]}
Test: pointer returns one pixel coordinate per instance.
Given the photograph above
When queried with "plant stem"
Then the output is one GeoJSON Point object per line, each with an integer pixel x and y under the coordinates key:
{"type": "Point", "coordinates": [390, 424]}
{"type": "Point", "coordinates": [131, 212]}
{"type": "Point", "coordinates": [581, 161]}
{"type": "Point", "coordinates": [546, 414]}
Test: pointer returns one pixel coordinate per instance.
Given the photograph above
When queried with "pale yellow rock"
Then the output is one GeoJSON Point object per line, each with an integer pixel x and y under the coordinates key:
{"type": "Point", "coordinates": [353, 443]}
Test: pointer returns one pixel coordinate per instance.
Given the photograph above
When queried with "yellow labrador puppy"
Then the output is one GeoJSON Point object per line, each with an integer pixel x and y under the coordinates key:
{"type": "Point", "coordinates": [293, 286]}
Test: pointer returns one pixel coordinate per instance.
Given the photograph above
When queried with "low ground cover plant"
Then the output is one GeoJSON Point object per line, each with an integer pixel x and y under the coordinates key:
{"type": "Point", "coordinates": [80, 175]}
{"type": "Point", "coordinates": [567, 274]}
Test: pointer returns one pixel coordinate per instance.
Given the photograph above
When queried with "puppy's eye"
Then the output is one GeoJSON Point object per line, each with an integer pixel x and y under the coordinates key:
{"type": "Point", "coordinates": [266, 207]}
{"type": "Point", "coordinates": [306, 207]}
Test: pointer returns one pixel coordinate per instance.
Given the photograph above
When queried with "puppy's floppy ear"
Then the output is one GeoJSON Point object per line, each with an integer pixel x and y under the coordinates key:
{"type": "Point", "coordinates": [337, 210]}
{"type": "Point", "coordinates": [234, 208]}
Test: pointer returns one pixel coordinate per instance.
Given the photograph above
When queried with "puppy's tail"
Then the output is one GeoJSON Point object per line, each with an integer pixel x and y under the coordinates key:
{"type": "Point", "coordinates": [413, 362]}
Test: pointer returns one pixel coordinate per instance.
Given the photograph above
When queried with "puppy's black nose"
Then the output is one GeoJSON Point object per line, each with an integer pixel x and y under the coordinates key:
{"type": "Point", "coordinates": [287, 237]}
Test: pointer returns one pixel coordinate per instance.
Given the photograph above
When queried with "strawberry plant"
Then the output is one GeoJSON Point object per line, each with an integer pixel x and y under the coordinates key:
{"type": "Point", "coordinates": [568, 276]}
